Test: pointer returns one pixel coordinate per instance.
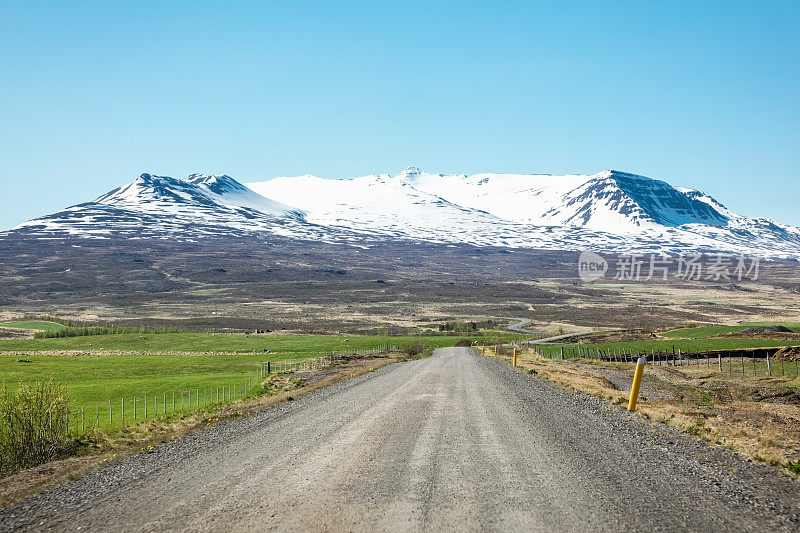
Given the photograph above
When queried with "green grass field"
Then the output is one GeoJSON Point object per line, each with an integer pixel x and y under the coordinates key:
{"type": "Point", "coordinates": [229, 343]}
{"type": "Point", "coordinates": [709, 331]}
{"type": "Point", "coordinates": [685, 345]}
{"type": "Point", "coordinates": [98, 378]}
{"type": "Point", "coordinates": [40, 325]}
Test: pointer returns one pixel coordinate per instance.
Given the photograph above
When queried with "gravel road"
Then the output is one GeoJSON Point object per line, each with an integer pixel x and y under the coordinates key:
{"type": "Point", "coordinates": [455, 442]}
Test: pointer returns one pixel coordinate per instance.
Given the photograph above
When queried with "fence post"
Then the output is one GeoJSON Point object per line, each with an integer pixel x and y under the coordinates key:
{"type": "Point", "coordinates": [637, 382]}
{"type": "Point", "coordinates": [769, 367]}
{"type": "Point", "coordinates": [719, 359]}
{"type": "Point", "coordinates": [123, 410]}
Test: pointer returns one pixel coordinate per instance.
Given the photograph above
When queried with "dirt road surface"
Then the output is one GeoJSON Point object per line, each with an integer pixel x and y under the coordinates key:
{"type": "Point", "coordinates": [455, 442]}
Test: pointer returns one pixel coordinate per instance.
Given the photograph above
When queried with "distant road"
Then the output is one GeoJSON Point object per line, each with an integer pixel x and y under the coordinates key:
{"type": "Point", "coordinates": [455, 442]}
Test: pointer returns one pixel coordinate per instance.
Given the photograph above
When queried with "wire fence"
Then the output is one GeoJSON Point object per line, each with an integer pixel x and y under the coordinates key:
{"type": "Point", "coordinates": [761, 362]}
{"type": "Point", "coordinates": [135, 409]}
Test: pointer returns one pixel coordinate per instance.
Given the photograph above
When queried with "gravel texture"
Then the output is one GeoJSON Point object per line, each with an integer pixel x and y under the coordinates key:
{"type": "Point", "coordinates": [455, 442]}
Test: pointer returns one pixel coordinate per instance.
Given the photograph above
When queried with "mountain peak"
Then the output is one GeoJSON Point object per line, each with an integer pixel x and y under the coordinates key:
{"type": "Point", "coordinates": [610, 211]}
{"type": "Point", "coordinates": [410, 171]}
{"type": "Point", "coordinates": [219, 184]}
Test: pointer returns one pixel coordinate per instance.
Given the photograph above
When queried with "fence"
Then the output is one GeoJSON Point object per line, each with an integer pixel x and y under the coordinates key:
{"type": "Point", "coordinates": [755, 362]}
{"type": "Point", "coordinates": [134, 409]}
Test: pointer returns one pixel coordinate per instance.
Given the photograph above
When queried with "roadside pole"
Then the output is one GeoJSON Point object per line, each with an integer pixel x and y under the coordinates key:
{"type": "Point", "coordinates": [637, 382]}
{"type": "Point", "coordinates": [515, 358]}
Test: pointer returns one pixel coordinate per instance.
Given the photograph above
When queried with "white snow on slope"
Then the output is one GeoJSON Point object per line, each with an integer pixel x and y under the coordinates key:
{"type": "Point", "coordinates": [225, 190]}
{"type": "Point", "coordinates": [608, 211]}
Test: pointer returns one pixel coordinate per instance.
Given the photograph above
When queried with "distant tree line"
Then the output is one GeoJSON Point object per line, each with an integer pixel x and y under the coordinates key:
{"type": "Point", "coordinates": [55, 319]}
{"type": "Point", "coordinates": [78, 328]}
{"type": "Point", "coordinates": [106, 329]}
{"type": "Point", "coordinates": [467, 327]}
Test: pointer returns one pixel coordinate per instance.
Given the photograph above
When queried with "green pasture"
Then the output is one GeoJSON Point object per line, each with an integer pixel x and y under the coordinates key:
{"type": "Point", "coordinates": [40, 325]}
{"type": "Point", "coordinates": [96, 378]}
{"type": "Point", "coordinates": [229, 343]}
{"type": "Point", "coordinates": [93, 379]}
{"type": "Point", "coordinates": [710, 331]}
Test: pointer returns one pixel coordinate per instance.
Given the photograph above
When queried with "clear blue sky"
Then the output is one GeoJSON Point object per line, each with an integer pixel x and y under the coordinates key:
{"type": "Point", "coordinates": [701, 94]}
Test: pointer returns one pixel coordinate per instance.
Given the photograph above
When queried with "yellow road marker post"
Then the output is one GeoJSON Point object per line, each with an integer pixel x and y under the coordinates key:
{"type": "Point", "coordinates": [495, 351]}
{"type": "Point", "coordinates": [637, 382]}
{"type": "Point", "coordinates": [515, 358]}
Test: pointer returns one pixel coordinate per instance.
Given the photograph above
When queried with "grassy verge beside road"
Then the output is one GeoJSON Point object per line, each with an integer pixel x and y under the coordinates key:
{"type": "Point", "coordinates": [757, 417]}
{"type": "Point", "coordinates": [98, 447]}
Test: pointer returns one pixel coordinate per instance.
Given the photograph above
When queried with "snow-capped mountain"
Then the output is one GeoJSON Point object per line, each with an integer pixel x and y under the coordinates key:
{"type": "Point", "coordinates": [609, 211]}
{"type": "Point", "coordinates": [164, 207]}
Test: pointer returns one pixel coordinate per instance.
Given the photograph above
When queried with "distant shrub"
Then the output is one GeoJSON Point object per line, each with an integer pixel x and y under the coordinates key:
{"type": "Point", "coordinates": [463, 342]}
{"type": "Point", "coordinates": [793, 466]}
{"type": "Point", "coordinates": [34, 425]}
{"type": "Point", "coordinates": [414, 348]}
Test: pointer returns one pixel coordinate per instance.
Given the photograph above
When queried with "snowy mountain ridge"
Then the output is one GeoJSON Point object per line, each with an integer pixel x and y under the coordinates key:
{"type": "Point", "coordinates": [609, 211]}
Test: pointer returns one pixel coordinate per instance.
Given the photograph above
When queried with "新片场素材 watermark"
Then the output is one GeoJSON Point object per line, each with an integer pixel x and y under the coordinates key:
{"type": "Point", "coordinates": [644, 267]}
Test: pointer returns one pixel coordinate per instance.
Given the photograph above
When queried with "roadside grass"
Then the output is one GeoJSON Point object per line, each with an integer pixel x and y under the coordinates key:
{"type": "Point", "coordinates": [757, 417]}
{"type": "Point", "coordinates": [98, 379]}
{"type": "Point", "coordinates": [39, 325]}
{"type": "Point", "coordinates": [111, 444]}
{"type": "Point", "coordinates": [311, 345]}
